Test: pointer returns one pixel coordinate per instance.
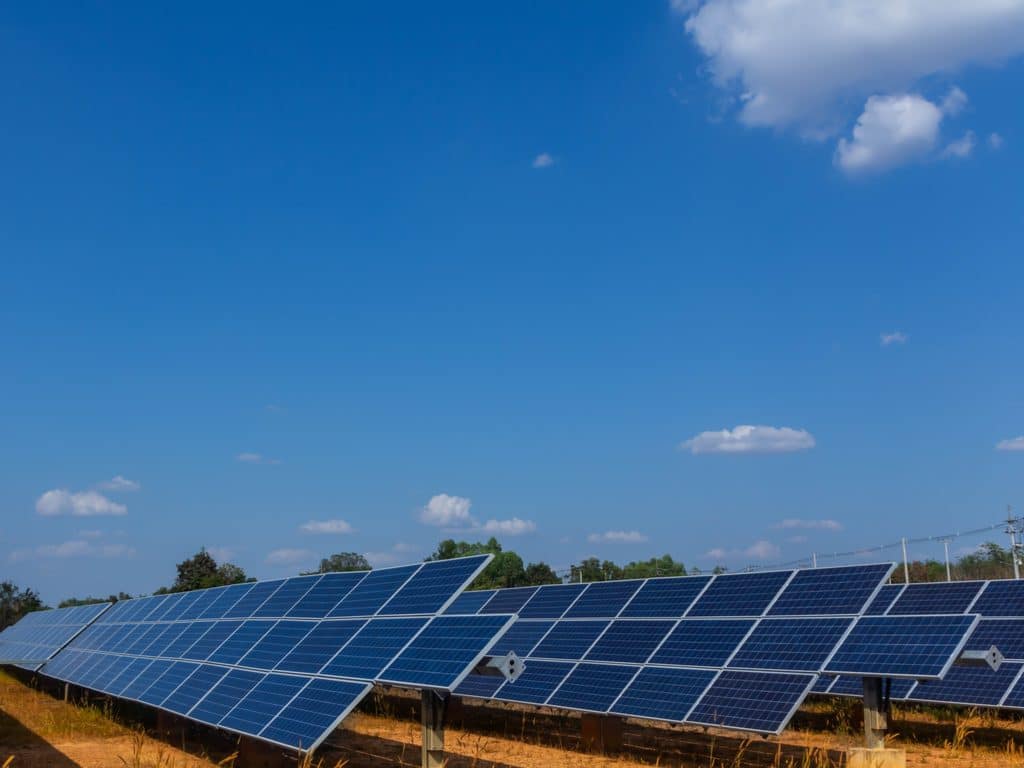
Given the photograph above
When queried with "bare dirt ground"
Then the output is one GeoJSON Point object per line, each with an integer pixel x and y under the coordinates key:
{"type": "Point", "coordinates": [38, 729]}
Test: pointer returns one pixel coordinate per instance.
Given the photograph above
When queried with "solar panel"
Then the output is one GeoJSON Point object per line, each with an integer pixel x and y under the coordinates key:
{"type": "Point", "coordinates": [665, 598]}
{"type": "Point", "coordinates": [550, 602]}
{"type": "Point", "coordinates": [316, 711]}
{"type": "Point", "coordinates": [508, 600]}
{"type": "Point", "coordinates": [630, 641]}
{"type": "Point", "coordinates": [747, 594]}
{"type": "Point", "coordinates": [762, 702]}
{"type": "Point", "coordinates": [902, 646]}
{"type": "Point", "coordinates": [703, 642]}
{"type": "Point", "coordinates": [1001, 598]}
{"type": "Point", "coordinates": [830, 591]}
{"type": "Point", "coordinates": [372, 648]}
{"type": "Point", "coordinates": [937, 597]}
{"type": "Point", "coordinates": [321, 644]}
{"type": "Point", "coordinates": [522, 637]}
{"type": "Point", "coordinates": [1005, 634]}
{"type": "Point", "coordinates": [262, 704]}
{"type": "Point", "coordinates": [373, 591]}
{"type": "Point", "coordinates": [470, 602]}
{"type": "Point", "coordinates": [796, 645]}
{"type": "Point", "coordinates": [971, 686]}
{"type": "Point", "coordinates": [286, 596]}
{"type": "Point", "coordinates": [569, 640]}
{"type": "Point", "coordinates": [325, 594]}
{"type": "Point", "coordinates": [886, 597]}
{"type": "Point", "coordinates": [603, 599]}
{"type": "Point", "coordinates": [592, 687]}
{"type": "Point", "coordinates": [433, 587]}
{"type": "Point", "coordinates": [1014, 698]}
{"type": "Point", "coordinates": [41, 634]}
{"type": "Point", "coordinates": [662, 693]}
{"type": "Point", "coordinates": [536, 682]}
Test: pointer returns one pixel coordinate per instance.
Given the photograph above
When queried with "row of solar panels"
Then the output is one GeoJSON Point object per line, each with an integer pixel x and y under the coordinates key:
{"type": "Point", "coordinates": [40, 633]}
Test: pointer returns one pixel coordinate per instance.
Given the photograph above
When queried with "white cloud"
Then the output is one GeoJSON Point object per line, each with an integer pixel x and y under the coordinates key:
{"type": "Point", "coordinates": [255, 458]}
{"type": "Point", "coordinates": [955, 101]}
{"type": "Point", "coordinates": [892, 131]}
{"type": "Point", "coordinates": [750, 439]}
{"type": "Point", "coordinates": [543, 160]}
{"type": "Point", "coordinates": [893, 337]}
{"type": "Point", "coordinates": [287, 556]}
{"type": "Point", "coordinates": [791, 523]}
{"type": "Point", "coordinates": [80, 504]}
{"type": "Point", "coordinates": [397, 554]}
{"type": "Point", "coordinates": [759, 550]}
{"type": "Point", "coordinates": [90, 534]}
{"type": "Point", "coordinates": [800, 63]}
{"type": "Point", "coordinates": [221, 554]}
{"type": "Point", "coordinates": [1012, 444]}
{"type": "Point", "coordinates": [120, 483]}
{"type": "Point", "coordinates": [617, 537]}
{"type": "Point", "coordinates": [513, 527]}
{"type": "Point", "coordinates": [995, 141]}
{"type": "Point", "coordinates": [446, 511]}
{"type": "Point", "coordinates": [73, 548]}
{"type": "Point", "coordinates": [327, 526]}
{"type": "Point", "coordinates": [962, 148]}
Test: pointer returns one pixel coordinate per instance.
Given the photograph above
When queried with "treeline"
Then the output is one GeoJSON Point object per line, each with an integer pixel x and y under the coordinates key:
{"type": "Point", "coordinates": [507, 569]}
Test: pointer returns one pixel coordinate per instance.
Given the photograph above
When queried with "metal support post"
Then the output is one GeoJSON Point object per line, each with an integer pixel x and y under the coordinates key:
{"type": "Point", "coordinates": [432, 714]}
{"type": "Point", "coordinates": [67, 690]}
{"type": "Point", "coordinates": [875, 713]}
{"type": "Point", "coordinates": [906, 565]}
{"type": "Point", "coordinates": [1011, 528]}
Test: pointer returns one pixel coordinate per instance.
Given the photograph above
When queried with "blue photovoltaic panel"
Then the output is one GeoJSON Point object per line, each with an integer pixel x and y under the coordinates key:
{"type": "Point", "coordinates": [154, 608]}
{"type": "Point", "coordinates": [796, 645]}
{"type": "Point", "coordinates": [569, 640]}
{"type": "Point", "coordinates": [326, 594]}
{"type": "Point", "coordinates": [373, 591]}
{"type": "Point", "coordinates": [521, 637]}
{"type": "Point", "coordinates": [762, 702]}
{"type": "Point", "coordinates": [593, 687]}
{"type": "Point", "coordinates": [470, 602]}
{"type": "Point", "coordinates": [319, 646]}
{"type": "Point", "coordinates": [665, 598]}
{"type": "Point", "coordinates": [254, 712]}
{"type": "Point", "coordinates": [480, 686]}
{"type": "Point", "coordinates": [373, 647]}
{"type": "Point", "coordinates": [1001, 598]}
{"type": "Point", "coordinates": [433, 586]}
{"type": "Point", "coordinates": [848, 685]}
{"type": "Point", "coordinates": [1005, 634]}
{"type": "Point", "coordinates": [902, 646]}
{"type": "Point", "coordinates": [551, 602]}
{"type": "Point", "coordinates": [702, 642]}
{"type": "Point", "coordinates": [940, 597]}
{"type": "Point", "coordinates": [508, 600]}
{"type": "Point", "coordinates": [286, 596]}
{"type": "Point", "coordinates": [822, 684]}
{"type": "Point", "coordinates": [128, 673]}
{"type": "Point", "coordinates": [204, 599]}
{"type": "Point", "coordinates": [185, 639]}
{"type": "Point", "coordinates": [188, 694]}
{"type": "Point", "coordinates": [663, 694]}
{"type": "Point", "coordinates": [276, 644]}
{"type": "Point", "coordinates": [747, 594]}
{"type": "Point", "coordinates": [1015, 698]}
{"type": "Point", "coordinates": [886, 597]}
{"type": "Point", "coordinates": [830, 591]}
{"type": "Point", "coordinates": [970, 686]}
{"type": "Point", "coordinates": [216, 633]}
{"type": "Point", "coordinates": [630, 641]}
{"type": "Point", "coordinates": [146, 678]}
{"type": "Point", "coordinates": [241, 641]}
{"type": "Point", "coordinates": [603, 599]}
{"type": "Point", "coordinates": [314, 713]}
{"type": "Point", "coordinates": [440, 655]}
{"type": "Point", "coordinates": [168, 682]}
{"type": "Point", "coordinates": [253, 599]}
{"type": "Point", "coordinates": [169, 610]}
{"type": "Point", "coordinates": [536, 682]}
{"type": "Point", "coordinates": [223, 697]}
{"type": "Point", "coordinates": [39, 635]}
{"type": "Point", "coordinates": [223, 602]}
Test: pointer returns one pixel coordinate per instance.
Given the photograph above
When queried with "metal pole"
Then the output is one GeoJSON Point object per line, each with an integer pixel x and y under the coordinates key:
{"type": "Point", "coordinates": [814, 559]}
{"type": "Point", "coordinates": [432, 706]}
{"type": "Point", "coordinates": [875, 721]}
{"type": "Point", "coordinates": [945, 544]}
{"type": "Point", "coordinates": [906, 565]}
{"type": "Point", "coordinates": [1011, 528]}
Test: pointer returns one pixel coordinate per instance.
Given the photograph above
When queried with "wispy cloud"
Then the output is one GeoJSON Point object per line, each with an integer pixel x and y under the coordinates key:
{"type": "Point", "coordinates": [453, 512]}
{"type": "Point", "coordinates": [791, 523]}
{"type": "Point", "coordinates": [120, 483]}
{"type": "Point", "coordinates": [512, 527]}
{"type": "Point", "coordinates": [617, 537]}
{"type": "Point", "coordinates": [750, 439]}
{"type": "Point", "coordinates": [1011, 444]}
{"type": "Point", "coordinates": [759, 550]}
{"type": "Point", "coordinates": [893, 337]}
{"type": "Point", "coordinates": [80, 504]}
{"type": "Point", "coordinates": [221, 554]}
{"type": "Point", "coordinates": [327, 526]}
{"type": "Point", "coordinates": [995, 141]}
{"type": "Point", "coordinates": [289, 556]}
{"type": "Point", "coordinates": [962, 148]}
{"type": "Point", "coordinates": [71, 549]}
{"type": "Point", "coordinates": [255, 458]}
{"type": "Point", "coordinates": [543, 160]}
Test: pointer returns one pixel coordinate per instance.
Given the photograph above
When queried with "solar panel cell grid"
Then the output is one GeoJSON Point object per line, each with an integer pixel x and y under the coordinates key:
{"type": "Point", "coordinates": [241, 641]}
{"type": "Point", "coordinates": [223, 697]}
{"type": "Point", "coordinates": [255, 711]}
{"type": "Point", "coordinates": [253, 599]}
{"type": "Point", "coordinates": [886, 597]}
{"type": "Point", "coordinates": [603, 599]}
{"type": "Point", "coordinates": [373, 647]}
{"type": "Point", "coordinates": [536, 683]}
{"type": "Point", "coordinates": [1001, 599]}
{"type": "Point", "coordinates": [318, 647]}
{"type": "Point", "coordinates": [470, 602]}
{"type": "Point", "coordinates": [798, 645]}
{"type": "Point", "coordinates": [702, 642]}
{"type": "Point", "coordinates": [747, 594]}
{"type": "Point", "coordinates": [973, 686]}
{"type": "Point", "coordinates": [268, 652]}
{"type": "Point", "coordinates": [665, 598]}
{"type": "Point", "coordinates": [326, 594]}
{"type": "Point", "coordinates": [551, 602]}
{"type": "Point", "coordinates": [630, 641]}
{"type": "Point", "coordinates": [1005, 634]}
{"type": "Point", "coordinates": [663, 694]}
{"type": "Point", "coordinates": [522, 637]}
{"type": "Point", "coordinates": [751, 701]}
{"type": "Point", "coordinates": [193, 688]}
{"type": "Point", "coordinates": [373, 591]}
{"type": "Point", "coordinates": [593, 687]}
{"type": "Point", "coordinates": [509, 600]}
{"type": "Point", "coordinates": [948, 597]}
{"type": "Point", "coordinates": [432, 587]}
{"type": "Point", "coordinates": [830, 591]}
{"type": "Point", "coordinates": [286, 596]}
{"type": "Point", "coordinates": [569, 640]}
{"type": "Point", "coordinates": [314, 712]}
{"type": "Point", "coordinates": [223, 602]}
{"type": "Point", "coordinates": [902, 646]}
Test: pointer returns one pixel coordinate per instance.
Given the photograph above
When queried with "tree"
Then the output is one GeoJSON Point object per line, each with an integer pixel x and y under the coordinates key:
{"type": "Point", "coordinates": [593, 569]}
{"type": "Point", "coordinates": [538, 574]}
{"type": "Point", "coordinates": [656, 566]}
{"type": "Point", "coordinates": [201, 571]}
{"type": "Point", "coordinates": [344, 561]}
{"type": "Point", "coordinates": [16, 602]}
{"type": "Point", "coordinates": [73, 601]}
{"type": "Point", "coordinates": [505, 570]}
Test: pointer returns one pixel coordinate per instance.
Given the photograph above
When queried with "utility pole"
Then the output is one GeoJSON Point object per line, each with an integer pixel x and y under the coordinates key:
{"type": "Point", "coordinates": [945, 543]}
{"type": "Point", "coordinates": [906, 565]}
{"type": "Point", "coordinates": [814, 559]}
{"type": "Point", "coordinates": [1011, 528]}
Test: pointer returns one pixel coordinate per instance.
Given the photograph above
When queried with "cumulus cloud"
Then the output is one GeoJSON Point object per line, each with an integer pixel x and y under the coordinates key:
{"type": "Point", "coordinates": [288, 556]}
{"type": "Point", "coordinates": [759, 550]}
{"type": "Point", "coordinates": [750, 439]}
{"type": "Point", "coordinates": [513, 527]}
{"type": "Point", "coordinates": [446, 511]}
{"type": "Point", "coordinates": [617, 537]}
{"type": "Point", "coordinates": [893, 337]}
{"type": "Point", "coordinates": [80, 504]}
{"type": "Point", "coordinates": [892, 131]}
{"type": "Point", "coordinates": [255, 458]}
{"type": "Point", "coordinates": [995, 141]}
{"type": "Point", "coordinates": [1011, 444]}
{"type": "Point", "coordinates": [543, 160]}
{"type": "Point", "coordinates": [791, 523]}
{"type": "Point", "coordinates": [73, 548]}
{"type": "Point", "coordinates": [120, 483]}
{"type": "Point", "coordinates": [327, 526]}
{"type": "Point", "coordinates": [962, 148]}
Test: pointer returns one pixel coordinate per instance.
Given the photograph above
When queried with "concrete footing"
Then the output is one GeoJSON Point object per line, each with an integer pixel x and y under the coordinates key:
{"type": "Point", "coordinates": [601, 733]}
{"type": "Point", "coordinates": [862, 757]}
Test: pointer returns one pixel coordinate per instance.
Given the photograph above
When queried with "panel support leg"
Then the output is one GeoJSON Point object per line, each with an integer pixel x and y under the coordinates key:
{"type": "Point", "coordinates": [67, 691]}
{"type": "Point", "coordinates": [874, 753]}
{"type": "Point", "coordinates": [432, 708]}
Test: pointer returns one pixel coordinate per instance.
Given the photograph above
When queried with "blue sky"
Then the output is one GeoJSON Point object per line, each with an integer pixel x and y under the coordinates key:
{"type": "Point", "coordinates": [404, 272]}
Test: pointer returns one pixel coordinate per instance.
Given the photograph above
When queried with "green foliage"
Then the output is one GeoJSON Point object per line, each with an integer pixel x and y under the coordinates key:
{"type": "Point", "coordinates": [201, 571]}
{"type": "Point", "coordinates": [505, 570]}
{"type": "Point", "coordinates": [656, 566]}
{"type": "Point", "coordinates": [988, 561]}
{"type": "Point", "coordinates": [593, 569]}
{"type": "Point", "coordinates": [71, 602]}
{"type": "Point", "coordinates": [342, 561]}
{"type": "Point", "coordinates": [16, 602]}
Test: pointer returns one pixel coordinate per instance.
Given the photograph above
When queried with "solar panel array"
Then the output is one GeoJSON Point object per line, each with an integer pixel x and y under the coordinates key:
{"type": "Point", "coordinates": [286, 660]}
{"type": "Point", "coordinates": [739, 651]}
{"type": "Point", "coordinates": [1000, 608]}
{"type": "Point", "coordinates": [41, 634]}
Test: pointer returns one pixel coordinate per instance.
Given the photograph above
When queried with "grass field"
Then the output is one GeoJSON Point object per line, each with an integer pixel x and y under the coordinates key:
{"type": "Point", "coordinates": [38, 729]}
